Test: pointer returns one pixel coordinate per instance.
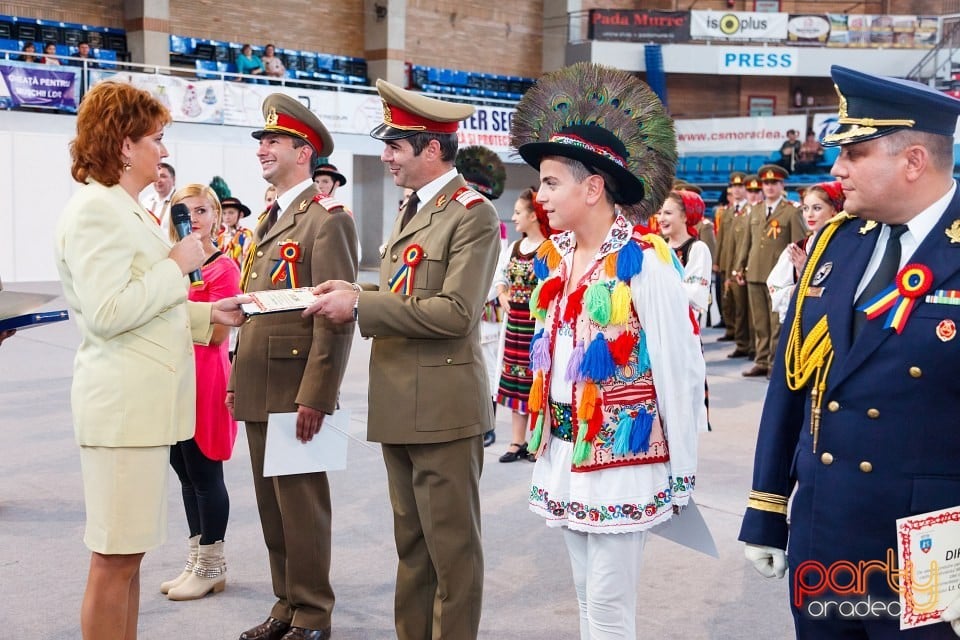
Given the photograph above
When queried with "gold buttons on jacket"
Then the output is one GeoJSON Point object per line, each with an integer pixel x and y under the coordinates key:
{"type": "Point", "coordinates": [259, 254]}
{"type": "Point", "coordinates": [254, 275]}
{"type": "Point", "coordinates": [826, 458]}
{"type": "Point", "coordinates": [866, 467]}
{"type": "Point", "coordinates": [833, 406]}
{"type": "Point", "coordinates": [915, 372]}
{"type": "Point", "coordinates": [295, 352]}
{"type": "Point", "coordinates": [449, 360]}
{"type": "Point", "coordinates": [394, 257]}
{"type": "Point", "coordinates": [873, 413]}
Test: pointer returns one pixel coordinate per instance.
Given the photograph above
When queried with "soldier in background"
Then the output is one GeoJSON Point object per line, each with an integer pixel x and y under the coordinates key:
{"type": "Point", "coordinates": [773, 224]}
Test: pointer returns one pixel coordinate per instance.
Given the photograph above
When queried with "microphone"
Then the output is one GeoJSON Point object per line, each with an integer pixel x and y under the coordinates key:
{"type": "Point", "coordinates": [180, 219]}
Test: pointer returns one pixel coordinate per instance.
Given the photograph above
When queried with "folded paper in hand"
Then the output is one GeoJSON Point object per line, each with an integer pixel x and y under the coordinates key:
{"type": "Point", "coordinates": [274, 300]}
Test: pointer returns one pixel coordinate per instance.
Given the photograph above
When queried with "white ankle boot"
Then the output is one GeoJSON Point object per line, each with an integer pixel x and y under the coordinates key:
{"type": "Point", "coordinates": [187, 570]}
{"type": "Point", "coordinates": [209, 574]}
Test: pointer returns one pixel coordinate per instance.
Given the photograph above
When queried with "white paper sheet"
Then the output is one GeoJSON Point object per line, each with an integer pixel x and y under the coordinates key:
{"type": "Point", "coordinates": [285, 455]}
{"type": "Point", "coordinates": [17, 303]}
{"type": "Point", "coordinates": [688, 528]}
{"type": "Point", "coordinates": [929, 559]}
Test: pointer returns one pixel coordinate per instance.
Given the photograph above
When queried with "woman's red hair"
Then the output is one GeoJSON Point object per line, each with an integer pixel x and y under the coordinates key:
{"type": "Point", "coordinates": [109, 113]}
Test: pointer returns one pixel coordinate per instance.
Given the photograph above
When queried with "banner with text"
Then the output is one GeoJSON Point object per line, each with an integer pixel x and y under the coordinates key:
{"type": "Point", "coordinates": [238, 104]}
{"type": "Point", "coordinates": [738, 25]}
{"type": "Point", "coordinates": [39, 86]}
{"type": "Point", "coordinates": [639, 25]}
{"type": "Point", "coordinates": [760, 135]}
{"type": "Point", "coordinates": [757, 61]}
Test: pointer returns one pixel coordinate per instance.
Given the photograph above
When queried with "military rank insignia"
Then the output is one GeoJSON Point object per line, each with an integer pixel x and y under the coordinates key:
{"type": "Point", "coordinates": [867, 227]}
{"type": "Point", "coordinates": [953, 232]}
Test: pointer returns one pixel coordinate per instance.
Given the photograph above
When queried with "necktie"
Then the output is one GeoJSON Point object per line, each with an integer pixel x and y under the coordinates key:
{"type": "Point", "coordinates": [769, 211]}
{"type": "Point", "coordinates": [272, 216]}
{"type": "Point", "coordinates": [882, 277]}
{"type": "Point", "coordinates": [411, 209]}
{"type": "Point", "coordinates": [736, 209]}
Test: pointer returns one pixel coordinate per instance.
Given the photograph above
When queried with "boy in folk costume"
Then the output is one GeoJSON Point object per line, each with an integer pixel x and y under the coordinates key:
{"type": "Point", "coordinates": [617, 397]}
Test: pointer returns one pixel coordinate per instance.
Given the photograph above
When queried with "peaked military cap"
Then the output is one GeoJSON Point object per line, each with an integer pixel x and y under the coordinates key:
{"type": "Point", "coordinates": [406, 113]}
{"type": "Point", "coordinates": [737, 178]}
{"type": "Point", "coordinates": [290, 117]}
{"type": "Point", "coordinates": [772, 173]}
{"type": "Point", "coordinates": [874, 106]}
{"type": "Point", "coordinates": [753, 183]}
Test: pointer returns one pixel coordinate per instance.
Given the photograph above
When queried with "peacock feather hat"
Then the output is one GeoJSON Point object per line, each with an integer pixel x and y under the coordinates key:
{"type": "Point", "coordinates": [483, 169]}
{"type": "Point", "coordinates": [608, 120]}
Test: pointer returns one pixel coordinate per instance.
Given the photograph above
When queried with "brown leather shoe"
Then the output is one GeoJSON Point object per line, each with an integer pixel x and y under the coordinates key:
{"type": "Point", "coordinates": [725, 338]}
{"type": "Point", "coordinates": [269, 629]}
{"type": "Point", "coordinates": [299, 633]}
{"type": "Point", "coordinates": [756, 372]}
{"type": "Point", "coordinates": [737, 353]}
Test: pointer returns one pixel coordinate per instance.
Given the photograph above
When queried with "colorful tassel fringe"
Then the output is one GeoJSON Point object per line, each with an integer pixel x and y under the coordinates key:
{"type": "Point", "coordinates": [620, 304]}
{"type": "Point", "coordinates": [597, 362]}
{"type": "Point", "coordinates": [597, 301]}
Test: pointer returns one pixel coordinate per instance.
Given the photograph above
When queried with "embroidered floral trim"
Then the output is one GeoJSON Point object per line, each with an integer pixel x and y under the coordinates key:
{"type": "Point", "coordinates": [611, 515]}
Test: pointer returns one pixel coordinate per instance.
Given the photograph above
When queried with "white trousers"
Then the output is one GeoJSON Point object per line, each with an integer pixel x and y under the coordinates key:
{"type": "Point", "coordinates": [606, 570]}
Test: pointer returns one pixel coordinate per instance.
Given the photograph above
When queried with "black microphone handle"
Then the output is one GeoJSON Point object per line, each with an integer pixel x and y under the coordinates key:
{"type": "Point", "coordinates": [184, 228]}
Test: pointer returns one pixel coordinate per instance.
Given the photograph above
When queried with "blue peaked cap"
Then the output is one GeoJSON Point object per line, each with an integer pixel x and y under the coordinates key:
{"type": "Point", "coordinates": [874, 106]}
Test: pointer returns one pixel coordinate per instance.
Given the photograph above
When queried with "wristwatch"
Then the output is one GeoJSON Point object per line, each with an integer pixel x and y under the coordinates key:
{"type": "Point", "coordinates": [356, 301]}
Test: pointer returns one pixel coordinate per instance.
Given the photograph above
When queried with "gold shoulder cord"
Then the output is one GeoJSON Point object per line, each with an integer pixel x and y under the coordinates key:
{"type": "Point", "coordinates": [811, 356]}
{"type": "Point", "coordinates": [247, 265]}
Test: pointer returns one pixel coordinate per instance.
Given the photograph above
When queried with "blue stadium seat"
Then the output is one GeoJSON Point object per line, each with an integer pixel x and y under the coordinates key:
{"type": "Point", "coordinates": [207, 70]}
{"type": "Point", "coordinates": [708, 166]}
{"type": "Point", "coordinates": [740, 163]}
{"type": "Point", "coordinates": [755, 162]}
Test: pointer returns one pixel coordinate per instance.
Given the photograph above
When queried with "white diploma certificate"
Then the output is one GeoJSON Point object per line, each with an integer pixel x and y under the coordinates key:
{"type": "Point", "coordinates": [929, 556]}
{"type": "Point", "coordinates": [275, 300]}
{"type": "Point", "coordinates": [284, 455]}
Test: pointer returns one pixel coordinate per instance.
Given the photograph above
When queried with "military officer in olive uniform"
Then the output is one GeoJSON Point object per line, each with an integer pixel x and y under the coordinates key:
{"type": "Point", "coordinates": [429, 396]}
{"type": "Point", "coordinates": [773, 224]}
{"type": "Point", "coordinates": [736, 284]}
{"type": "Point", "coordinates": [879, 441]}
{"type": "Point", "coordinates": [723, 258]}
{"type": "Point", "coordinates": [287, 363]}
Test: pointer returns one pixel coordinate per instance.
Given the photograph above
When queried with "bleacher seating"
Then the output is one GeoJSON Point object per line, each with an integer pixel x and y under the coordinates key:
{"type": "Point", "coordinates": [301, 65]}
{"type": "Point", "coordinates": [466, 83]}
{"type": "Point", "coordinates": [108, 43]}
{"type": "Point", "coordinates": [711, 172]}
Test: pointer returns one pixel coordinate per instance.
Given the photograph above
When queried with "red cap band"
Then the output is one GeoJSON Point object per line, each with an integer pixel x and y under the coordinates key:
{"type": "Point", "coordinates": [398, 118]}
{"type": "Point", "coordinates": [289, 124]}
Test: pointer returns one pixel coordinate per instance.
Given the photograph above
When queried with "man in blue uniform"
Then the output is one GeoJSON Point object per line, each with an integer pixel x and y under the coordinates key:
{"type": "Point", "coordinates": [862, 428]}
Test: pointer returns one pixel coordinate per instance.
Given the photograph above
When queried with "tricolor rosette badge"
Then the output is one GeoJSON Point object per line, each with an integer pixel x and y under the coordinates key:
{"type": "Point", "coordinates": [911, 282]}
{"type": "Point", "coordinates": [285, 270]}
{"type": "Point", "coordinates": [402, 280]}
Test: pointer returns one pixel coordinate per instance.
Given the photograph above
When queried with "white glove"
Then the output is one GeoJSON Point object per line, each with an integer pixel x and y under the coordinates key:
{"type": "Point", "coordinates": [769, 561]}
{"type": "Point", "coordinates": [952, 615]}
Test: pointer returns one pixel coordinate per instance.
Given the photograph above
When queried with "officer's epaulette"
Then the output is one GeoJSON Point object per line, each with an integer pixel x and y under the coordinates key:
{"type": "Point", "coordinates": [330, 204]}
{"type": "Point", "coordinates": [841, 218]}
{"type": "Point", "coordinates": [467, 197]}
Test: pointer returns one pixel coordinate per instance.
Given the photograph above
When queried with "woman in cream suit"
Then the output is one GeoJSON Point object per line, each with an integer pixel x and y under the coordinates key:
{"type": "Point", "coordinates": [133, 385]}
